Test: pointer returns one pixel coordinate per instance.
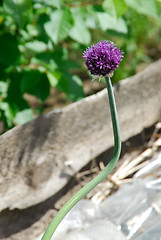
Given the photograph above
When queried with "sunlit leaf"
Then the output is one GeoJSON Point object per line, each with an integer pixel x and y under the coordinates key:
{"type": "Point", "coordinates": [36, 46]}
{"type": "Point", "coordinates": [53, 80]}
{"type": "Point", "coordinates": [6, 114]}
{"type": "Point", "coordinates": [60, 23]}
{"type": "Point", "coordinates": [52, 3]}
{"type": "Point", "coordinates": [75, 91]}
{"type": "Point", "coordinates": [75, 88]}
{"type": "Point", "coordinates": [23, 116]}
{"type": "Point", "coordinates": [108, 22]}
{"type": "Point", "coordinates": [147, 7]}
{"type": "Point", "coordinates": [71, 85]}
{"type": "Point", "coordinates": [79, 31]}
{"type": "Point", "coordinates": [19, 10]}
{"type": "Point", "coordinates": [115, 8]}
{"type": "Point", "coordinates": [3, 88]}
{"type": "Point", "coordinates": [58, 80]}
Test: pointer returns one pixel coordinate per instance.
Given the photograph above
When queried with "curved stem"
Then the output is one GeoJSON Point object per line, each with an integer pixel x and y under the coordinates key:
{"type": "Point", "coordinates": [81, 193]}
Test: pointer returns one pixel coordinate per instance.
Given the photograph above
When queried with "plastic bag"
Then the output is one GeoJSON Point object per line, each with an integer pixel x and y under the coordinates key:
{"type": "Point", "coordinates": [133, 212]}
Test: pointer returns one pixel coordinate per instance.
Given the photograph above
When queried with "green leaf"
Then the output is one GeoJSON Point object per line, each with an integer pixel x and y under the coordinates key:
{"type": "Point", "coordinates": [79, 31]}
{"type": "Point", "coordinates": [58, 80]}
{"type": "Point", "coordinates": [108, 22]}
{"type": "Point", "coordinates": [147, 7]}
{"type": "Point", "coordinates": [91, 21]}
{"type": "Point", "coordinates": [24, 116]}
{"type": "Point", "coordinates": [9, 52]}
{"type": "Point", "coordinates": [14, 95]}
{"type": "Point", "coordinates": [35, 83]}
{"type": "Point", "coordinates": [52, 3]}
{"type": "Point", "coordinates": [3, 88]}
{"type": "Point", "coordinates": [115, 8]}
{"type": "Point", "coordinates": [75, 88]}
{"type": "Point", "coordinates": [46, 59]}
{"type": "Point", "coordinates": [19, 10]}
{"type": "Point", "coordinates": [36, 46]}
{"type": "Point", "coordinates": [60, 23]}
{"type": "Point", "coordinates": [109, 7]}
{"type": "Point", "coordinates": [29, 81]}
{"type": "Point", "coordinates": [71, 85]}
{"type": "Point", "coordinates": [70, 64]}
{"type": "Point", "coordinates": [53, 78]}
{"type": "Point", "coordinates": [6, 114]}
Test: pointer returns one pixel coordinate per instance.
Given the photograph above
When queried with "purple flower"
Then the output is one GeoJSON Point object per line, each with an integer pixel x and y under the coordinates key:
{"type": "Point", "coordinates": [103, 58]}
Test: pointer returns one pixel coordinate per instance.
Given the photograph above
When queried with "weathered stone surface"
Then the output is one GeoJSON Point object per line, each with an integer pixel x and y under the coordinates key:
{"type": "Point", "coordinates": [38, 158]}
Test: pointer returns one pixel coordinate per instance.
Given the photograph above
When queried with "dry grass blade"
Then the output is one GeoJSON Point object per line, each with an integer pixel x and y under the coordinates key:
{"type": "Point", "coordinates": [131, 166]}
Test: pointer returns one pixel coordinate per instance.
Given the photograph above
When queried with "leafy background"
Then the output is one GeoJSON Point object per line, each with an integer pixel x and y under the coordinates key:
{"type": "Point", "coordinates": [41, 45]}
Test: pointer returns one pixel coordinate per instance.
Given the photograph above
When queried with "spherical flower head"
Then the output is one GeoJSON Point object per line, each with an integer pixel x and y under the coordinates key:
{"type": "Point", "coordinates": [103, 58]}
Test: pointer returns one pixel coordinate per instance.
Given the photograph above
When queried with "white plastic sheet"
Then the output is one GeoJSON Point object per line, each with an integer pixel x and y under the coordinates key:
{"type": "Point", "coordinates": [133, 212]}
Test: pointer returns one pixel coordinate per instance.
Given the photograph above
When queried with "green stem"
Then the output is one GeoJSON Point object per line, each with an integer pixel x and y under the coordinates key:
{"type": "Point", "coordinates": [80, 194]}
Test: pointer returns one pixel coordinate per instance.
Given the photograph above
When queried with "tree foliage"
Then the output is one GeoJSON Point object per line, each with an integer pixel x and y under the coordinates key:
{"type": "Point", "coordinates": [41, 42]}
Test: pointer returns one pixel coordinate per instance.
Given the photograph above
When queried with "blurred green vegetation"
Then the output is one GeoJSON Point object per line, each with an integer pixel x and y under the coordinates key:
{"type": "Point", "coordinates": [42, 41]}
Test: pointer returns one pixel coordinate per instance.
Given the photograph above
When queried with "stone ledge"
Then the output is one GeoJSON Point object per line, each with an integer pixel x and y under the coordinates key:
{"type": "Point", "coordinates": [38, 158]}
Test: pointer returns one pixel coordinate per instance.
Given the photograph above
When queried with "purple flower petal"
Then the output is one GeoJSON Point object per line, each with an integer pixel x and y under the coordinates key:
{"type": "Point", "coordinates": [103, 58]}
